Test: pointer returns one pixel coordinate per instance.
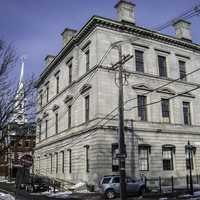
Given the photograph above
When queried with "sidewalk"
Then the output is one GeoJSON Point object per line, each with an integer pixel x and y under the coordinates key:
{"type": "Point", "coordinates": [23, 195]}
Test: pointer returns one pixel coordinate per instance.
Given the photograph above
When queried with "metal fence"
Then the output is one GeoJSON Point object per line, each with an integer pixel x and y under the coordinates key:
{"type": "Point", "coordinates": [170, 184]}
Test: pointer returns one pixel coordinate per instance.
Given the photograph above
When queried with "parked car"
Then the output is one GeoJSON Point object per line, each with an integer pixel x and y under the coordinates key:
{"type": "Point", "coordinates": [38, 184]}
{"type": "Point", "coordinates": [110, 186]}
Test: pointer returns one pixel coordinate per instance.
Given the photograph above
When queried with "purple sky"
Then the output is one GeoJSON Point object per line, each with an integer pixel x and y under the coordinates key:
{"type": "Point", "coordinates": [34, 26]}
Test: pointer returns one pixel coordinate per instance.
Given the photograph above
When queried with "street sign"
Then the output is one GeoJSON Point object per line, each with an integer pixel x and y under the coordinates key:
{"type": "Point", "coordinates": [26, 160]}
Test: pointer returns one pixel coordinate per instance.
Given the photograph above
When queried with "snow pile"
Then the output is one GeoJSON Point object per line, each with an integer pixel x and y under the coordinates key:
{"type": "Point", "coordinates": [189, 196]}
{"type": "Point", "coordinates": [80, 185]}
{"type": "Point", "coordinates": [6, 197]}
{"type": "Point", "coordinates": [60, 194]}
{"type": "Point", "coordinates": [6, 181]}
{"type": "Point", "coordinates": [84, 191]}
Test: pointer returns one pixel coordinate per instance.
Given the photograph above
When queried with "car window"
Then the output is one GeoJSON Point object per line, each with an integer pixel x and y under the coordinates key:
{"type": "Point", "coordinates": [130, 180]}
{"type": "Point", "coordinates": [106, 180]}
{"type": "Point", "coordinates": [116, 180]}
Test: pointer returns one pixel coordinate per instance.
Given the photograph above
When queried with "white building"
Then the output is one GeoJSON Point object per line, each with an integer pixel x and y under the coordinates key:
{"type": "Point", "coordinates": [77, 139]}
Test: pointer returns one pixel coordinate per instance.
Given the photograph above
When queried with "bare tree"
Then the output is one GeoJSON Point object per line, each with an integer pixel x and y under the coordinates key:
{"type": "Point", "coordinates": [9, 89]}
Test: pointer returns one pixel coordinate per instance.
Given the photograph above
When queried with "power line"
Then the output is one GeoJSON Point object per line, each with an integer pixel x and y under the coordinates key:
{"type": "Point", "coordinates": [144, 105]}
{"type": "Point", "coordinates": [78, 94]}
{"type": "Point", "coordinates": [155, 102]}
{"type": "Point", "coordinates": [195, 10]}
{"type": "Point", "coordinates": [105, 118]}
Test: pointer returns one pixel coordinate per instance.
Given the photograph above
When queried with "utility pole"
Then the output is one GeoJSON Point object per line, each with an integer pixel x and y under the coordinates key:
{"type": "Point", "coordinates": [121, 141]}
{"type": "Point", "coordinates": [122, 150]}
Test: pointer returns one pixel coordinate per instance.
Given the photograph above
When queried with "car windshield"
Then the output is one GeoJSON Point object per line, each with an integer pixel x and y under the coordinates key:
{"type": "Point", "coordinates": [106, 180]}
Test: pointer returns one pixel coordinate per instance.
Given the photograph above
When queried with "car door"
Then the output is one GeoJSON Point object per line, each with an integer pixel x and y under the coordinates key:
{"type": "Point", "coordinates": [116, 184]}
{"type": "Point", "coordinates": [131, 186]}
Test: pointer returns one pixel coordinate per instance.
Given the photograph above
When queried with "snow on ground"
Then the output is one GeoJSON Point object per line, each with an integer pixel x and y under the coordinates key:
{"type": "Point", "coordinates": [84, 191]}
{"type": "Point", "coordinates": [6, 181]}
{"type": "Point", "coordinates": [78, 185]}
{"type": "Point", "coordinates": [59, 194]}
{"type": "Point", "coordinates": [189, 196]}
{"type": "Point", "coordinates": [4, 196]}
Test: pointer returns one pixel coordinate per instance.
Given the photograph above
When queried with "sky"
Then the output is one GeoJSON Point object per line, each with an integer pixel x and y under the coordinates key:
{"type": "Point", "coordinates": [33, 27]}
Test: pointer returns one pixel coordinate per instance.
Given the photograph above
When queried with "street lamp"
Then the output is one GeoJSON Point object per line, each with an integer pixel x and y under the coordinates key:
{"type": "Point", "coordinates": [189, 149]}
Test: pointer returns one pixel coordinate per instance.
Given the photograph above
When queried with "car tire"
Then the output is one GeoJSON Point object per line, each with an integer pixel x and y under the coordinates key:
{"type": "Point", "coordinates": [142, 191]}
{"type": "Point", "coordinates": [110, 194]}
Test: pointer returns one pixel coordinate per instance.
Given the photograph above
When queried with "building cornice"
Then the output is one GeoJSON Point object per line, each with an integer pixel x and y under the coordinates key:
{"type": "Point", "coordinates": [97, 21]}
{"type": "Point", "coordinates": [155, 127]}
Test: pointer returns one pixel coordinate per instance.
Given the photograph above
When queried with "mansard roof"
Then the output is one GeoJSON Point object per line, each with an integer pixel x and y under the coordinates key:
{"type": "Point", "coordinates": [97, 21]}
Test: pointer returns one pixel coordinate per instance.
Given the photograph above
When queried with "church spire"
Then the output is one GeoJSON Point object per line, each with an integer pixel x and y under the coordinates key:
{"type": "Point", "coordinates": [19, 107]}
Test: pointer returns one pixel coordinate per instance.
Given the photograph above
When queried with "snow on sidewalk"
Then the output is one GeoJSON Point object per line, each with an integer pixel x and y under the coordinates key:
{"type": "Point", "coordinates": [59, 194]}
{"type": "Point", "coordinates": [4, 196]}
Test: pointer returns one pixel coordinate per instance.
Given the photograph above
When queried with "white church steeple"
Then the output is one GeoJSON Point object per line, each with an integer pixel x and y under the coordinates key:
{"type": "Point", "coordinates": [19, 106]}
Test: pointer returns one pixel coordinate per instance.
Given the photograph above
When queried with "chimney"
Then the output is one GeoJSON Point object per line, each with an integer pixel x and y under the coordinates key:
{"type": "Point", "coordinates": [67, 34]}
{"type": "Point", "coordinates": [125, 11]}
{"type": "Point", "coordinates": [183, 30]}
{"type": "Point", "coordinates": [48, 59]}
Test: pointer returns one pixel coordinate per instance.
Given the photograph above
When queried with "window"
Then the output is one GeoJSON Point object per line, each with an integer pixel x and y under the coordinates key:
{"type": "Point", "coordinates": [182, 70]}
{"type": "Point", "coordinates": [20, 143]}
{"type": "Point", "coordinates": [186, 113]}
{"type": "Point", "coordinates": [87, 54]}
{"type": "Point", "coordinates": [40, 130]}
{"type": "Point", "coordinates": [56, 123]}
{"type": "Point", "coordinates": [144, 157]}
{"type": "Point", "coordinates": [63, 161]}
{"type": "Point", "coordinates": [167, 153]}
{"type": "Point", "coordinates": [57, 84]}
{"type": "Point", "coordinates": [56, 154]}
{"type": "Point", "coordinates": [116, 180]}
{"type": "Point", "coordinates": [189, 158]}
{"type": "Point", "coordinates": [87, 108]}
{"type": "Point", "coordinates": [139, 61]}
{"type": "Point", "coordinates": [26, 144]}
{"type": "Point", "coordinates": [162, 66]}
{"type": "Point", "coordinates": [38, 163]}
{"type": "Point", "coordinates": [51, 163]}
{"type": "Point", "coordinates": [41, 98]}
{"type": "Point", "coordinates": [47, 93]}
{"type": "Point", "coordinates": [115, 161]}
{"type": "Point", "coordinates": [69, 116]}
{"type": "Point", "coordinates": [165, 110]}
{"type": "Point", "coordinates": [70, 74]}
{"type": "Point", "coordinates": [142, 111]}
{"type": "Point", "coordinates": [87, 157]}
{"type": "Point", "coordinates": [70, 160]}
{"type": "Point", "coordinates": [12, 143]}
{"type": "Point", "coordinates": [106, 180]}
{"type": "Point", "coordinates": [46, 128]}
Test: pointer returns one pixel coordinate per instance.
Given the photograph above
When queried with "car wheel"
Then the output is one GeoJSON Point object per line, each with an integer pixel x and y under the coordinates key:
{"type": "Point", "coordinates": [110, 194]}
{"type": "Point", "coordinates": [142, 191]}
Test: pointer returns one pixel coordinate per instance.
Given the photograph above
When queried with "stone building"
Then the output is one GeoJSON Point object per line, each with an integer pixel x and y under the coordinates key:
{"type": "Point", "coordinates": [77, 139]}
